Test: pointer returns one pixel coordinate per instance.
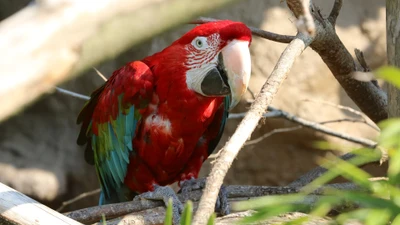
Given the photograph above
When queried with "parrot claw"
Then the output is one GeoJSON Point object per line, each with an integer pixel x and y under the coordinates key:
{"type": "Point", "coordinates": [222, 204]}
{"type": "Point", "coordinates": [164, 193]}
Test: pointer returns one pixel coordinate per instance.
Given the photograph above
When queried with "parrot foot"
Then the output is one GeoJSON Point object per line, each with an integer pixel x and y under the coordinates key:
{"type": "Point", "coordinates": [222, 204]}
{"type": "Point", "coordinates": [164, 193]}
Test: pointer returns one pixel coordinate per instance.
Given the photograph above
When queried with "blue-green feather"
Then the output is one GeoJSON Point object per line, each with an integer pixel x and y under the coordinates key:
{"type": "Point", "coordinates": [112, 148]}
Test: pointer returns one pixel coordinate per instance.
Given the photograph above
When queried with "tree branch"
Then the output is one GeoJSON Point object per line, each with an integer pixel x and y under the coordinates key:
{"type": "Point", "coordinates": [235, 193]}
{"type": "Point", "coordinates": [320, 170]}
{"type": "Point", "coordinates": [369, 98]}
{"type": "Point", "coordinates": [17, 208]}
{"type": "Point", "coordinates": [348, 109]}
{"type": "Point", "coordinates": [77, 198]}
{"type": "Point", "coordinates": [255, 31]}
{"type": "Point", "coordinates": [55, 42]}
{"type": "Point", "coordinates": [247, 125]}
{"type": "Point", "coordinates": [318, 127]}
{"type": "Point", "coordinates": [335, 11]}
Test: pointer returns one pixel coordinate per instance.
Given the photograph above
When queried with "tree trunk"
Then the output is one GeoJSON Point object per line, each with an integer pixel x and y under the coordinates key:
{"type": "Point", "coordinates": [393, 52]}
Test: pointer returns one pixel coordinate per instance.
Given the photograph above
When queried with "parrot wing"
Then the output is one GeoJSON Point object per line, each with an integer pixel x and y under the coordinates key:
{"type": "Point", "coordinates": [110, 120]}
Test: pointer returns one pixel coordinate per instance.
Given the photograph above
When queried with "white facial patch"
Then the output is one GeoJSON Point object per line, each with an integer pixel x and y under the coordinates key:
{"type": "Point", "coordinates": [195, 76]}
{"type": "Point", "coordinates": [202, 57]}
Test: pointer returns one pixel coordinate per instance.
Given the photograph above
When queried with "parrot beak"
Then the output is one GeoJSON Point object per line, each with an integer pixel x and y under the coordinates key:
{"type": "Point", "coordinates": [237, 63]}
{"type": "Point", "coordinates": [232, 74]}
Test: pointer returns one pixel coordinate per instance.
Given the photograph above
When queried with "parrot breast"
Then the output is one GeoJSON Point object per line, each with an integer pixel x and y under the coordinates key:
{"type": "Point", "coordinates": [167, 137]}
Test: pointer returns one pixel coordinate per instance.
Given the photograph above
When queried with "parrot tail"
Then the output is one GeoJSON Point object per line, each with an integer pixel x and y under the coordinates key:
{"type": "Point", "coordinates": [123, 194]}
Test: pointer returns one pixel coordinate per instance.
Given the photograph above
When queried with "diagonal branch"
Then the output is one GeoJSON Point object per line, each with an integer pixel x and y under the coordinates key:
{"type": "Point", "coordinates": [76, 35]}
{"type": "Point", "coordinates": [368, 97]}
{"type": "Point", "coordinates": [246, 127]}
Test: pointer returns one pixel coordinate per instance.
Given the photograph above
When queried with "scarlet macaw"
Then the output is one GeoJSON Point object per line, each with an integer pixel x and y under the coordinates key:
{"type": "Point", "coordinates": [155, 121]}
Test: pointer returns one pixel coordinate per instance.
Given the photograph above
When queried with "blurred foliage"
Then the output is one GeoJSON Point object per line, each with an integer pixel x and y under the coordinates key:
{"type": "Point", "coordinates": [374, 203]}
{"type": "Point", "coordinates": [187, 214]}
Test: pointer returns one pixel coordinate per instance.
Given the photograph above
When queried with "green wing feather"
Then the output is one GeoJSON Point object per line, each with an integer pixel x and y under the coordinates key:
{"type": "Point", "coordinates": [112, 147]}
{"type": "Point", "coordinates": [109, 122]}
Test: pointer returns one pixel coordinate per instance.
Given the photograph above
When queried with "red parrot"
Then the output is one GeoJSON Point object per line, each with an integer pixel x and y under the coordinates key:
{"type": "Point", "coordinates": [155, 121]}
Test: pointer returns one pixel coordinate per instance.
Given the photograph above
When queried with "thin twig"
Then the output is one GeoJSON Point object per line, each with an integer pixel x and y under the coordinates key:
{"type": "Point", "coordinates": [100, 74]}
{"type": "Point", "coordinates": [274, 131]}
{"type": "Point", "coordinates": [253, 95]}
{"type": "Point", "coordinates": [258, 32]}
{"type": "Point", "coordinates": [343, 120]}
{"type": "Point", "coordinates": [335, 11]}
{"type": "Point", "coordinates": [77, 198]}
{"type": "Point", "coordinates": [73, 94]}
{"type": "Point", "coordinates": [288, 129]}
{"type": "Point", "coordinates": [237, 115]}
{"type": "Point", "coordinates": [348, 109]}
{"type": "Point", "coordinates": [318, 127]}
{"type": "Point", "coordinates": [246, 127]}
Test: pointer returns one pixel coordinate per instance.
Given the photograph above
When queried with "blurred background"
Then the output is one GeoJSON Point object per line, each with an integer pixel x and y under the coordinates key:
{"type": "Point", "coordinates": [38, 151]}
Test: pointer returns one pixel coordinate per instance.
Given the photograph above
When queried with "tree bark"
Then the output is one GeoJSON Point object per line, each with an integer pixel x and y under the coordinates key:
{"type": "Point", "coordinates": [17, 208]}
{"type": "Point", "coordinates": [393, 52]}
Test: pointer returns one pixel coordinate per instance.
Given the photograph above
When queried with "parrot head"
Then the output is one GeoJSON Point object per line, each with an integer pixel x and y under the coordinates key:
{"type": "Point", "coordinates": [211, 60]}
{"type": "Point", "coordinates": [218, 59]}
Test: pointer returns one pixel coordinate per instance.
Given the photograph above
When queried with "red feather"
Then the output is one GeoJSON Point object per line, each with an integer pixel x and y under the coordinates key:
{"type": "Point", "coordinates": [172, 138]}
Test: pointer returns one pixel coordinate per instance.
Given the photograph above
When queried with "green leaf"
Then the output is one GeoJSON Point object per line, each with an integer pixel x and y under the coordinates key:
{"type": "Point", "coordinates": [211, 220]}
{"type": "Point", "coordinates": [394, 167]}
{"type": "Point", "coordinates": [359, 214]}
{"type": "Point", "coordinates": [168, 214]}
{"type": "Point", "coordinates": [349, 171]}
{"type": "Point", "coordinates": [389, 139]}
{"type": "Point", "coordinates": [378, 217]}
{"type": "Point", "coordinates": [390, 74]}
{"type": "Point", "coordinates": [325, 205]}
{"type": "Point", "coordinates": [103, 219]}
{"type": "Point", "coordinates": [390, 132]}
{"type": "Point", "coordinates": [267, 201]}
{"type": "Point", "coordinates": [367, 200]}
{"type": "Point", "coordinates": [186, 218]}
{"type": "Point", "coordinates": [396, 220]}
{"type": "Point", "coordinates": [363, 156]}
{"type": "Point", "coordinates": [298, 221]}
{"type": "Point", "coordinates": [328, 146]}
{"type": "Point", "coordinates": [273, 210]}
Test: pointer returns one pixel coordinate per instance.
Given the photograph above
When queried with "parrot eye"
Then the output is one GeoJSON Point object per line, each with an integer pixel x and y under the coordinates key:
{"type": "Point", "coordinates": [200, 43]}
